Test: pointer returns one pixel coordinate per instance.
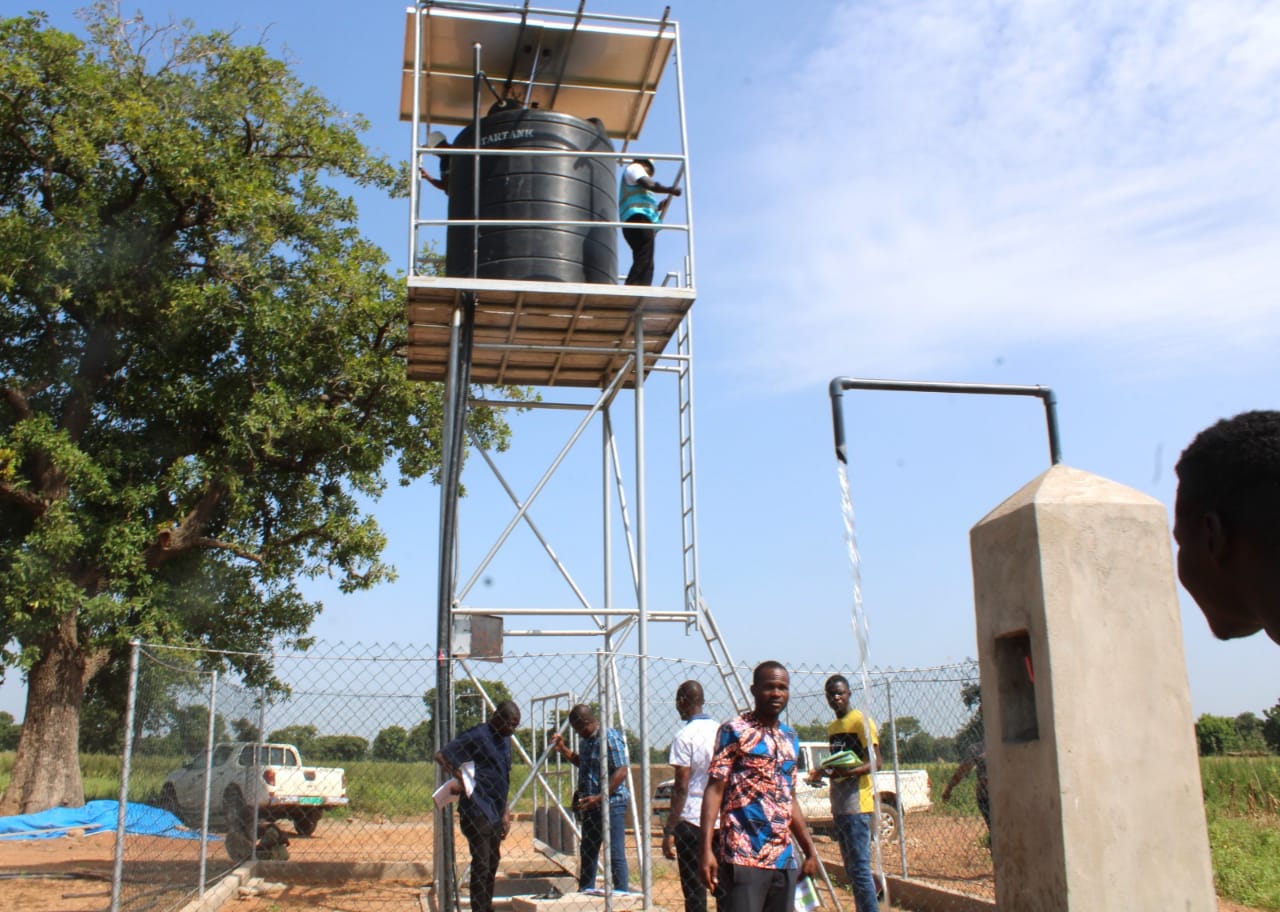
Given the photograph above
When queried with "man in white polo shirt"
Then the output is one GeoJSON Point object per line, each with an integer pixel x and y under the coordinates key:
{"type": "Point", "coordinates": [690, 756]}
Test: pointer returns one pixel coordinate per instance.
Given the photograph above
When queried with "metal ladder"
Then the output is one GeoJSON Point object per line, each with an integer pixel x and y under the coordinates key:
{"type": "Point", "coordinates": [693, 601]}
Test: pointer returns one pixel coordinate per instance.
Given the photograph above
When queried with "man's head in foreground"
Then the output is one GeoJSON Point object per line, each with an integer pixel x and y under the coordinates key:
{"type": "Point", "coordinates": [1227, 524]}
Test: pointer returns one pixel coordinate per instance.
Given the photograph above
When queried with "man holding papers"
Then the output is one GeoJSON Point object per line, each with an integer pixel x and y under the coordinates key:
{"type": "Point", "coordinates": [483, 814]}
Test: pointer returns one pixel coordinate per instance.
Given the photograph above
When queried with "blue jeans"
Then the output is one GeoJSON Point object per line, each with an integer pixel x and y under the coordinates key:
{"type": "Point", "coordinates": [593, 839]}
{"type": "Point", "coordinates": [853, 832]}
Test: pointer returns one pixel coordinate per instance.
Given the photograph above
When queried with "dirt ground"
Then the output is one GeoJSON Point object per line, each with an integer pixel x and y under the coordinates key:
{"type": "Point", "coordinates": [73, 873]}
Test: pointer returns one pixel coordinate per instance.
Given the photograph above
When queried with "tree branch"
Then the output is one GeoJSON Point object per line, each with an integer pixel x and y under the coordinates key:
{"type": "Point", "coordinates": [188, 532]}
{"type": "Point", "coordinates": [96, 365]}
{"type": "Point", "coordinates": [31, 503]}
{"type": "Point", "coordinates": [220, 545]}
{"type": "Point", "coordinates": [18, 402]}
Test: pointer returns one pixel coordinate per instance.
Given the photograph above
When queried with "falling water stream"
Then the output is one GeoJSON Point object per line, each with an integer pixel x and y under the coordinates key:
{"type": "Point", "coordinates": [862, 636]}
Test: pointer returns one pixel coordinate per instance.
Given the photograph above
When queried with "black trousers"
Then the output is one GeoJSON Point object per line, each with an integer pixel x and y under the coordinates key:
{"type": "Point", "coordinates": [485, 840]}
{"type": "Point", "coordinates": [688, 840]}
{"type": "Point", "coordinates": [758, 889]}
{"type": "Point", "coordinates": [640, 240]}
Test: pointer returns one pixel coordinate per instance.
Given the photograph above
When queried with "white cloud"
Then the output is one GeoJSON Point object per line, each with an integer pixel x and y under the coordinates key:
{"type": "Point", "coordinates": [947, 179]}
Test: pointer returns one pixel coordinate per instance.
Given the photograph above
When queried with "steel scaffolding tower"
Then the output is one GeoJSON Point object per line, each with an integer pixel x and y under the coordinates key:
{"type": "Point", "coordinates": [471, 333]}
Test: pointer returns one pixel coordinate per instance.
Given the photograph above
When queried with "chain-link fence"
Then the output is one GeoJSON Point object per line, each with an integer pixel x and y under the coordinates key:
{"type": "Point", "coordinates": [324, 772]}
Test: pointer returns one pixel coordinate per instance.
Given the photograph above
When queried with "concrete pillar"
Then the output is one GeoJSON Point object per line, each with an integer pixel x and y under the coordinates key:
{"type": "Point", "coordinates": [1094, 778]}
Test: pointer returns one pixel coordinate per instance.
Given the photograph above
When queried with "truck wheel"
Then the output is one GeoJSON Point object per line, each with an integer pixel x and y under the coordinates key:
{"type": "Point", "coordinates": [169, 801]}
{"type": "Point", "coordinates": [305, 823]}
{"type": "Point", "coordinates": [888, 829]}
{"type": "Point", "coordinates": [239, 845]}
{"type": "Point", "coordinates": [239, 816]}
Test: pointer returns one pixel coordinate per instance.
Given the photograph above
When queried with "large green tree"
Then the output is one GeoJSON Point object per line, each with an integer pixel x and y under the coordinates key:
{"type": "Point", "coordinates": [1216, 735]}
{"type": "Point", "coordinates": [1271, 727]}
{"type": "Point", "coordinates": [201, 361]}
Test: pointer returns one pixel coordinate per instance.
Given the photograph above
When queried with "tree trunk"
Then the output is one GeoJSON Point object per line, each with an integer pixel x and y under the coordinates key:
{"type": "Point", "coordinates": [46, 772]}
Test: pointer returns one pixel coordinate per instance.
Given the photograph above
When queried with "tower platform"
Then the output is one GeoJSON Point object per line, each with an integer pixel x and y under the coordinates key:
{"type": "Point", "coordinates": [541, 333]}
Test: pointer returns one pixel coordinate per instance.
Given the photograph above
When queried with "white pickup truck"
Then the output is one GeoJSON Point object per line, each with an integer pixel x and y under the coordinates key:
{"type": "Point", "coordinates": [815, 801]}
{"type": "Point", "coordinates": [244, 774]}
{"type": "Point", "coordinates": [908, 789]}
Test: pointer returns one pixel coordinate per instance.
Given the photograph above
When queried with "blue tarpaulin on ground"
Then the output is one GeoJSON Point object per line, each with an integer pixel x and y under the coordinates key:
{"type": "Point", "coordinates": [94, 817]}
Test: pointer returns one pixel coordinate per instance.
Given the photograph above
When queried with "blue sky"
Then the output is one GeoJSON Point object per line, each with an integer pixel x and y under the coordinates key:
{"type": "Point", "coordinates": [1079, 195]}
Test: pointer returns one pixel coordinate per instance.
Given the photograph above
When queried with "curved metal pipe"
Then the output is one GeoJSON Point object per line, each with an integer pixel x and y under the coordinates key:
{"type": "Point", "coordinates": [1044, 393]}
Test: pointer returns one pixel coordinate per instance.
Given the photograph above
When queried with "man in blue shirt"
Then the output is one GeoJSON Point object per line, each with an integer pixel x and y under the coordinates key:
{"type": "Point", "coordinates": [637, 204]}
{"type": "Point", "coordinates": [589, 799]}
{"type": "Point", "coordinates": [483, 815]}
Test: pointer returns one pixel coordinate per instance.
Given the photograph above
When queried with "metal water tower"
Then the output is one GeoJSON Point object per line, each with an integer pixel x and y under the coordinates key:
{"type": "Point", "coordinates": [545, 107]}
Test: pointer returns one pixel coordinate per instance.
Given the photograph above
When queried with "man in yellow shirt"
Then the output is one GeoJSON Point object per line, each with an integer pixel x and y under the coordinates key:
{"type": "Point", "coordinates": [852, 799]}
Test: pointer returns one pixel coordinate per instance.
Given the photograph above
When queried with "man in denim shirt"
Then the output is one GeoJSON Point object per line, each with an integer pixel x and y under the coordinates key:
{"type": "Point", "coordinates": [589, 799]}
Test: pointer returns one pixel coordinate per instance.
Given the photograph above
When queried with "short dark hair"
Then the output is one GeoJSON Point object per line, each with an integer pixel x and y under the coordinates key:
{"type": "Point", "coordinates": [509, 710]}
{"type": "Point", "coordinates": [581, 713]}
{"type": "Point", "coordinates": [1233, 468]}
{"type": "Point", "coordinates": [691, 692]}
{"type": "Point", "coordinates": [834, 680]}
{"type": "Point", "coordinates": [760, 669]}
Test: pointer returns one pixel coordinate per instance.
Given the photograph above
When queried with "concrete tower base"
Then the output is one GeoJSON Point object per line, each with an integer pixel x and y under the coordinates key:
{"type": "Point", "coordinates": [1095, 783]}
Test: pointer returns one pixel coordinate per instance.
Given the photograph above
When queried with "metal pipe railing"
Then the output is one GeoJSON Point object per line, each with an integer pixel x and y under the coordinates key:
{"type": "Point", "coordinates": [1044, 393]}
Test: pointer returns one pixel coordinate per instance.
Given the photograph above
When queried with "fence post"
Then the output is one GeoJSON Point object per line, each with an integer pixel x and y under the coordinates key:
{"type": "Point", "coordinates": [130, 707]}
{"type": "Point", "coordinates": [602, 745]}
{"type": "Point", "coordinates": [897, 778]}
{"type": "Point", "coordinates": [208, 782]}
{"type": "Point", "coordinates": [257, 765]}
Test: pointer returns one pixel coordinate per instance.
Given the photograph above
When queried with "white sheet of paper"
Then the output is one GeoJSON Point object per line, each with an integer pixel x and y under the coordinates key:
{"type": "Point", "coordinates": [447, 793]}
{"type": "Point", "coordinates": [452, 790]}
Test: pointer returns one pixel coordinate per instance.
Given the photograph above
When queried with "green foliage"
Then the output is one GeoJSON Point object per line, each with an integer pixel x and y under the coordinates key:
{"type": "Point", "coordinates": [1245, 734]}
{"type": "Point", "coordinates": [421, 741]}
{"type": "Point", "coordinates": [201, 356]}
{"type": "Point", "coordinates": [914, 745]}
{"type": "Point", "coordinates": [300, 736]}
{"type": "Point", "coordinates": [814, 730]}
{"type": "Point", "coordinates": [1271, 727]}
{"type": "Point", "coordinates": [392, 744]}
{"type": "Point", "coordinates": [963, 802]}
{"type": "Point", "coordinates": [184, 733]}
{"type": "Point", "coordinates": [336, 749]}
{"type": "Point", "coordinates": [244, 730]}
{"type": "Point", "coordinates": [101, 774]}
{"type": "Point", "coordinates": [1244, 854]}
{"type": "Point", "coordinates": [1249, 727]}
{"type": "Point", "coordinates": [1242, 785]}
{"type": "Point", "coordinates": [1217, 735]}
{"type": "Point", "coordinates": [9, 732]}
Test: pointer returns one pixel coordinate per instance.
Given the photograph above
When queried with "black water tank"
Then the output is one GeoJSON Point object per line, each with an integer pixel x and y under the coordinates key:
{"type": "Point", "coordinates": [551, 187]}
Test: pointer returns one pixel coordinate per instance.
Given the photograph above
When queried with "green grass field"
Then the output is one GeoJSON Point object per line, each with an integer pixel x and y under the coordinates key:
{"type": "Point", "coordinates": [1242, 806]}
